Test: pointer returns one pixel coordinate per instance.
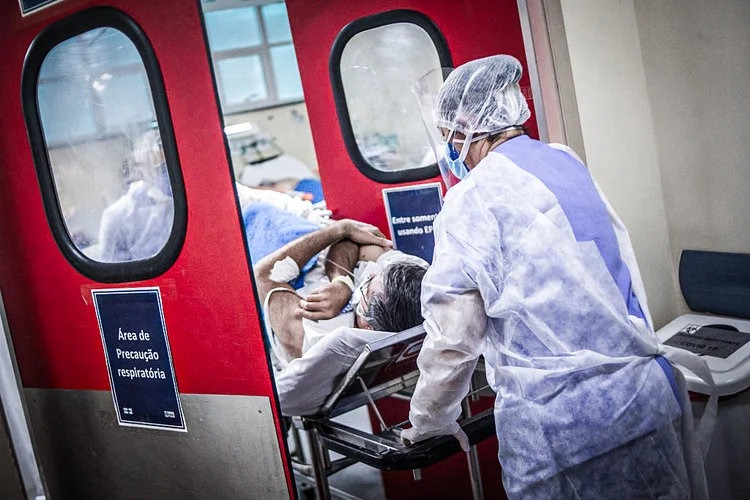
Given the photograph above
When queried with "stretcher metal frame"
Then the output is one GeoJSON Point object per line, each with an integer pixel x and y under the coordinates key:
{"type": "Point", "coordinates": [384, 368]}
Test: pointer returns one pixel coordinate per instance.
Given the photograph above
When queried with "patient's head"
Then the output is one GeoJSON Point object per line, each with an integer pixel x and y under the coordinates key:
{"type": "Point", "coordinates": [391, 300]}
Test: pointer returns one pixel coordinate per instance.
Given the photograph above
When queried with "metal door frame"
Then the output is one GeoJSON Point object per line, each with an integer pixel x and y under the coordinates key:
{"type": "Point", "coordinates": [15, 415]}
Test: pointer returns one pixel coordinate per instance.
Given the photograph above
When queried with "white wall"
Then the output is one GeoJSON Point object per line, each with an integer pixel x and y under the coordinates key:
{"type": "Point", "coordinates": [664, 105]}
{"type": "Point", "coordinates": [619, 137]}
{"type": "Point", "coordinates": [288, 126]}
{"type": "Point", "coordinates": [697, 62]}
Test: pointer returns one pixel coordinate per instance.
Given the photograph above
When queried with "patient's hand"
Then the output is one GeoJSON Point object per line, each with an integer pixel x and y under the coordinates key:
{"type": "Point", "coordinates": [363, 234]}
{"type": "Point", "coordinates": [326, 302]}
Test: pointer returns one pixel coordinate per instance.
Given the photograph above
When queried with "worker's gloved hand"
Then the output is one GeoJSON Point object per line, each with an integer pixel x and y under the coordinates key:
{"type": "Point", "coordinates": [302, 208]}
{"type": "Point", "coordinates": [320, 216]}
{"type": "Point", "coordinates": [463, 440]}
{"type": "Point", "coordinates": [408, 435]}
{"type": "Point", "coordinates": [411, 436]}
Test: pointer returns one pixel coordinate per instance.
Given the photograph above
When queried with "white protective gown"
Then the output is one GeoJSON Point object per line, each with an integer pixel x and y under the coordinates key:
{"type": "Point", "coordinates": [137, 226]}
{"type": "Point", "coordinates": [583, 408]}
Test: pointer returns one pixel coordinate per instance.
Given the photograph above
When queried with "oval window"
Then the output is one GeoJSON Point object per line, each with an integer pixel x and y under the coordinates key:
{"type": "Point", "coordinates": [108, 181]}
{"type": "Point", "coordinates": [375, 62]}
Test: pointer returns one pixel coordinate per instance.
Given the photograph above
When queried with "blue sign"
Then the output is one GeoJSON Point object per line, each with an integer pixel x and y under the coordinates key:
{"type": "Point", "coordinates": [32, 5]}
{"type": "Point", "coordinates": [411, 211]}
{"type": "Point", "coordinates": [136, 347]}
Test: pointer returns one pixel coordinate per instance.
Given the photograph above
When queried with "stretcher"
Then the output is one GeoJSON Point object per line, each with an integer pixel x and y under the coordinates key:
{"type": "Point", "coordinates": [384, 368]}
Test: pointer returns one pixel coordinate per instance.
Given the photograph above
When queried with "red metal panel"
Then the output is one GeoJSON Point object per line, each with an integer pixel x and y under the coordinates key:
{"type": "Point", "coordinates": [208, 297]}
{"type": "Point", "coordinates": [473, 29]}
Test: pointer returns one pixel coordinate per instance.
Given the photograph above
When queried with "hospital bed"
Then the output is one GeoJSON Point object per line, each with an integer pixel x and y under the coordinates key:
{"type": "Point", "coordinates": [384, 367]}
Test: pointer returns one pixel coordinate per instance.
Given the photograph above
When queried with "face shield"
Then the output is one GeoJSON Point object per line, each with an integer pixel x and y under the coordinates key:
{"type": "Point", "coordinates": [477, 99]}
{"type": "Point", "coordinates": [426, 91]}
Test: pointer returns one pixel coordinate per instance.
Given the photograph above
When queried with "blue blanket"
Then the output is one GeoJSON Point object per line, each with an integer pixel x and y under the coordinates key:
{"type": "Point", "coordinates": [268, 228]}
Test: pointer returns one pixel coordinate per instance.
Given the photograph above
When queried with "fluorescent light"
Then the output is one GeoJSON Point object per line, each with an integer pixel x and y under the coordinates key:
{"type": "Point", "coordinates": [238, 128]}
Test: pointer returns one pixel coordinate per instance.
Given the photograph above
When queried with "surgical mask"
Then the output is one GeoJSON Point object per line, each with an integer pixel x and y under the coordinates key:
{"type": "Point", "coordinates": [454, 160]}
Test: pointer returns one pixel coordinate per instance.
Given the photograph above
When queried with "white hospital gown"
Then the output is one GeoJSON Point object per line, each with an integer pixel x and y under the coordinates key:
{"type": "Point", "coordinates": [574, 371]}
{"type": "Point", "coordinates": [314, 331]}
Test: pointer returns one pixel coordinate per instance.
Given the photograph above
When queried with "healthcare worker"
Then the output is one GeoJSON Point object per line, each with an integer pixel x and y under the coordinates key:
{"type": "Point", "coordinates": [137, 226]}
{"type": "Point", "coordinates": [533, 270]}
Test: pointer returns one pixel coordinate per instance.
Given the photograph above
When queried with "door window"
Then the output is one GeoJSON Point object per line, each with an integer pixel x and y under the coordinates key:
{"type": "Point", "coordinates": [110, 182]}
{"type": "Point", "coordinates": [375, 62]}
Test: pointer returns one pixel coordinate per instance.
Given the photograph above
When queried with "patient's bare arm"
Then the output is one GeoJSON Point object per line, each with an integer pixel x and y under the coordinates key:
{"type": "Point", "coordinates": [283, 308]}
{"type": "Point", "coordinates": [327, 301]}
{"type": "Point", "coordinates": [283, 311]}
{"type": "Point", "coordinates": [371, 253]}
{"type": "Point", "coordinates": [342, 257]}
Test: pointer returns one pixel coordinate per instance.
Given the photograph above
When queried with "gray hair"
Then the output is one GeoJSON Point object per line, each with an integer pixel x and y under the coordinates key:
{"type": "Point", "coordinates": [398, 306]}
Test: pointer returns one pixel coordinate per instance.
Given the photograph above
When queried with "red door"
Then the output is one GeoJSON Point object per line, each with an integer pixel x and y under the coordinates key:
{"type": "Point", "coordinates": [233, 446]}
{"type": "Point", "coordinates": [471, 30]}
{"type": "Point", "coordinates": [468, 30]}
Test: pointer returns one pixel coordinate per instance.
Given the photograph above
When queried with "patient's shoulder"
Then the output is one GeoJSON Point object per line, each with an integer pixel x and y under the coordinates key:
{"type": "Point", "coordinates": [315, 331]}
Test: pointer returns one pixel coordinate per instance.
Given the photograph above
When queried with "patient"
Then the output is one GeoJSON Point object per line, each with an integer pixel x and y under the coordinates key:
{"type": "Point", "coordinates": [357, 281]}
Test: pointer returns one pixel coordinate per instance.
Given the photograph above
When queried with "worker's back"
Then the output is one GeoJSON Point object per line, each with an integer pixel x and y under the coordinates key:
{"type": "Point", "coordinates": [571, 355]}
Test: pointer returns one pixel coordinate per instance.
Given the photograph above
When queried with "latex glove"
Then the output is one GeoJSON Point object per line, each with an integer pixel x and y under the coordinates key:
{"type": "Point", "coordinates": [327, 221]}
{"type": "Point", "coordinates": [411, 436]}
{"type": "Point", "coordinates": [302, 208]}
{"type": "Point", "coordinates": [321, 217]}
